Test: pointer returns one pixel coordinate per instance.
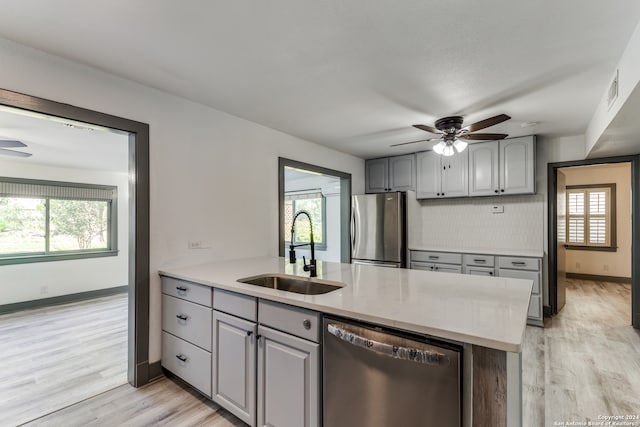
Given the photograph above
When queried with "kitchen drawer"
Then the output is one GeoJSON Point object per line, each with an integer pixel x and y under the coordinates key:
{"type": "Point", "coordinates": [479, 260]}
{"type": "Point", "coordinates": [187, 290]}
{"type": "Point", "coordinates": [436, 267]}
{"type": "Point", "coordinates": [292, 320]}
{"type": "Point", "coordinates": [535, 307]}
{"type": "Point", "coordinates": [439, 257]}
{"type": "Point", "coordinates": [529, 275]}
{"type": "Point", "coordinates": [187, 320]}
{"type": "Point", "coordinates": [479, 271]}
{"type": "Point", "coordinates": [187, 361]}
{"type": "Point", "coordinates": [236, 304]}
{"type": "Point", "coordinates": [519, 263]}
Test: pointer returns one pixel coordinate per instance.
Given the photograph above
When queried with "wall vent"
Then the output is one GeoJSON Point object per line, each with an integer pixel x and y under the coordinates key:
{"type": "Point", "coordinates": [612, 94]}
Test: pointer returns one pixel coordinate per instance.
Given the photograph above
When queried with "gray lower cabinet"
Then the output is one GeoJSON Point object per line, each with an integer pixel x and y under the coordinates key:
{"type": "Point", "coordinates": [288, 380]}
{"type": "Point", "coordinates": [234, 365]}
{"type": "Point", "coordinates": [487, 265]}
{"type": "Point", "coordinates": [443, 262]}
{"type": "Point", "coordinates": [186, 326]}
{"type": "Point", "coordinates": [265, 366]}
{"type": "Point", "coordinates": [526, 268]}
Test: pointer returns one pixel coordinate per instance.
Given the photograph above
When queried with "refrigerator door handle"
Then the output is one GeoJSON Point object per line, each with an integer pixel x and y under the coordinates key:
{"type": "Point", "coordinates": [353, 231]}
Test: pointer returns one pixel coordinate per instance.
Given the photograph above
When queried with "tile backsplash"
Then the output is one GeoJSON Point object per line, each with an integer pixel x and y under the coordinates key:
{"type": "Point", "coordinates": [469, 223]}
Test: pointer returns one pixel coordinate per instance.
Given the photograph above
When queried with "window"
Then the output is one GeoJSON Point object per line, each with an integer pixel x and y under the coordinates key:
{"type": "Point", "coordinates": [314, 203]}
{"type": "Point", "coordinates": [591, 217]}
{"type": "Point", "coordinates": [46, 220]}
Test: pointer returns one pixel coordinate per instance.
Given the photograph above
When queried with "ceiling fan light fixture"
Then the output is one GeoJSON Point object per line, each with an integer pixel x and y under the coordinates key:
{"type": "Point", "coordinates": [460, 145]}
{"type": "Point", "coordinates": [448, 151]}
{"type": "Point", "coordinates": [439, 147]}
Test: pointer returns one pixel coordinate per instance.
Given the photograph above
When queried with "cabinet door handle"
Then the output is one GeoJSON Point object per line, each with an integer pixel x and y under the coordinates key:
{"type": "Point", "coordinates": [431, 267]}
{"type": "Point", "coordinates": [519, 263]}
{"type": "Point", "coordinates": [306, 323]}
{"type": "Point", "coordinates": [502, 190]}
{"type": "Point", "coordinates": [437, 194]}
{"type": "Point", "coordinates": [182, 316]}
{"type": "Point", "coordinates": [249, 333]}
{"type": "Point", "coordinates": [181, 357]}
{"type": "Point", "coordinates": [480, 261]}
{"type": "Point", "coordinates": [443, 194]}
{"type": "Point", "coordinates": [258, 337]}
{"type": "Point", "coordinates": [496, 191]}
{"type": "Point", "coordinates": [181, 289]}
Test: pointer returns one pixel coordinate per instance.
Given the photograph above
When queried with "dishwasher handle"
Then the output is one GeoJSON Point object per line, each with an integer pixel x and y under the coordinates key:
{"type": "Point", "coordinates": [397, 352]}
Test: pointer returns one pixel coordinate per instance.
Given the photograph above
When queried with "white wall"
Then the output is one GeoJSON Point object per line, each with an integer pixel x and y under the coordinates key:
{"type": "Point", "coordinates": [214, 177]}
{"type": "Point", "coordinates": [617, 264]}
{"type": "Point", "coordinates": [629, 77]}
{"type": "Point", "coordinates": [25, 282]}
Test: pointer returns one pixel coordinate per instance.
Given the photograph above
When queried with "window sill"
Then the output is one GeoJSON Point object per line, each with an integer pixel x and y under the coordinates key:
{"type": "Point", "coordinates": [591, 248]}
{"type": "Point", "coordinates": [67, 256]}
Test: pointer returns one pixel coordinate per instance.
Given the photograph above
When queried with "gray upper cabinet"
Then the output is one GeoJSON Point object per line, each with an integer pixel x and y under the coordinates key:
{"type": "Point", "coordinates": [502, 167]}
{"type": "Point", "coordinates": [484, 172]}
{"type": "Point", "coordinates": [517, 165]}
{"type": "Point", "coordinates": [439, 176]}
{"type": "Point", "coordinates": [390, 174]}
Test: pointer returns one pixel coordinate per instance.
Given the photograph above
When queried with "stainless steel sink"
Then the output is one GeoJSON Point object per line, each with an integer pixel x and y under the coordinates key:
{"type": "Point", "coordinates": [299, 285]}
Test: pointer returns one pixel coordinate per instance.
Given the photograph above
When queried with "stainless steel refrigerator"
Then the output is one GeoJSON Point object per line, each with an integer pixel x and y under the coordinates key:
{"type": "Point", "coordinates": [379, 230]}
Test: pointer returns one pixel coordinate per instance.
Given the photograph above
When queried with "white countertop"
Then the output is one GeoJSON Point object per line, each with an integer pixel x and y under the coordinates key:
{"type": "Point", "coordinates": [484, 251]}
{"type": "Point", "coordinates": [485, 311]}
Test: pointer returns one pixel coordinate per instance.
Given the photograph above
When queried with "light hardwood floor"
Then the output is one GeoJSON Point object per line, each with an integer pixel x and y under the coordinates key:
{"type": "Point", "coordinates": [585, 363]}
{"type": "Point", "coordinates": [56, 356]}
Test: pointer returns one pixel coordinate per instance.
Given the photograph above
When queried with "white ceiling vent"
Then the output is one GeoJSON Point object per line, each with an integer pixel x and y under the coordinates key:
{"type": "Point", "coordinates": [612, 94]}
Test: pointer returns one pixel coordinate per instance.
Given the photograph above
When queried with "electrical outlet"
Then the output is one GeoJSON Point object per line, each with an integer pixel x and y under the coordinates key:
{"type": "Point", "coordinates": [194, 244]}
{"type": "Point", "coordinates": [497, 209]}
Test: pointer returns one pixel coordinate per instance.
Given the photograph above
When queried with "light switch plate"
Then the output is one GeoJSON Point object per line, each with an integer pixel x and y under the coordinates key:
{"type": "Point", "coordinates": [496, 209]}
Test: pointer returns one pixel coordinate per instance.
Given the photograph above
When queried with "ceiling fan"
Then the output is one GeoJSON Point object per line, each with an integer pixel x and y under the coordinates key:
{"type": "Point", "coordinates": [12, 143]}
{"type": "Point", "coordinates": [451, 133]}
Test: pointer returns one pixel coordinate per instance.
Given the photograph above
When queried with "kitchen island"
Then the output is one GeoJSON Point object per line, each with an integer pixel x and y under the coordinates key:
{"type": "Point", "coordinates": [485, 314]}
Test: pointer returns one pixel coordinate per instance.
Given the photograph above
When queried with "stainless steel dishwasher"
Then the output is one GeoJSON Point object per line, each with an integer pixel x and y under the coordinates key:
{"type": "Point", "coordinates": [375, 377]}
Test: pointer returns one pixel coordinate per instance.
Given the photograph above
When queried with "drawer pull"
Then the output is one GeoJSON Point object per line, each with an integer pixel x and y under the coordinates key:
{"type": "Point", "coordinates": [181, 357]}
{"type": "Point", "coordinates": [181, 289]}
{"type": "Point", "coordinates": [519, 263]}
{"type": "Point", "coordinates": [480, 261]}
{"type": "Point", "coordinates": [434, 257]}
{"type": "Point", "coordinates": [182, 316]}
{"type": "Point", "coordinates": [306, 323]}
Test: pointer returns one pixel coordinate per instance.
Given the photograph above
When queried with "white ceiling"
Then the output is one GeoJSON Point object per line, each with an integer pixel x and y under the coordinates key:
{"type": "Point", "coordinates": [353, 75]}
{"type": "Point", "coordinates": [64, 143]}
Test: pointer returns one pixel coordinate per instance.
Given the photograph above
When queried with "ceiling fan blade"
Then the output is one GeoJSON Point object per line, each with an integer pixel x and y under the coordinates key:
{"type": "Point", "coordinates": [428, 129]}
{"type": "Point", "coordinates": [482, 136]}
{"type": "Point", "coordinates": [11, 143]}
{"type": "Point", "coordinates": [491, 121]}
{"type": "Point", "coordinates": [14, 153]}
{"type": "Point", "coordinates": [413, 142]}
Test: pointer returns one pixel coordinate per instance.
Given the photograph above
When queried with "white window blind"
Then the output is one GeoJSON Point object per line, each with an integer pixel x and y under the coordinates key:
{"type": "Point", "coordinates": [589, 216]}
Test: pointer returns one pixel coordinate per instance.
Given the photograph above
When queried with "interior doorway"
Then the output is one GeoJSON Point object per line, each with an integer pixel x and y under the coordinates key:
{"type": "Point", "coordinates": [138, 370]}
{"type": "Point", "coordinates": [326, 195]}
{"type": "Point", "coordinates": [591, 232]}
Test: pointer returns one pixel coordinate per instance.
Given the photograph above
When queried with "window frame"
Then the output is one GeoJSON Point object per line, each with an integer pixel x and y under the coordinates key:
{"type": "Point", "coordinates": [47, 255]}
{"type": "Point", "coordinates": [611, 207]}
{"type": "Point", "coordinates": [323, 203]}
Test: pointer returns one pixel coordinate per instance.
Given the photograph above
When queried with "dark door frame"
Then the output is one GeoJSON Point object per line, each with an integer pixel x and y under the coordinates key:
{"type": "Point", "coordinates": [138, 335]}
{"type": "Point", "coordinates": [552, 174]}
{"type": "Point", "coordinates": [345, 204]}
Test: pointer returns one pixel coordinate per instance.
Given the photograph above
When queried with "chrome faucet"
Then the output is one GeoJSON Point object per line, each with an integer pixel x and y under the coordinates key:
{"type": "Point", "coordinates": [311, 267]}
